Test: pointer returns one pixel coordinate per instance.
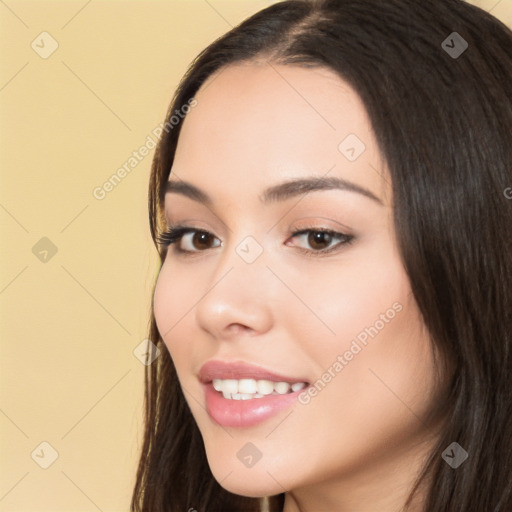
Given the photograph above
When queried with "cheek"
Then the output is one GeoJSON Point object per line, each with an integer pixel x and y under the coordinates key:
{"type": "Point", "coordinates": [378, 395]}
{"type": "Point", "coordinates": [377, 369]}
{"type": "Point", "coordinates": [357, 297]}
{"type": "Point", "coordinates": [172, 301]}
{"type": "Point", "coordinates": [163, 303]}
{"type": "Point", "coordinates": [384, 379]}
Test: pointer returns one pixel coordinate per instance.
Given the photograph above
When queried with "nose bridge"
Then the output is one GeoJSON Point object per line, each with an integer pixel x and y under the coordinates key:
{"type": "Point", "coordinates": [239, 291]}
{"type": "Point", "coordinates": [245, 258]}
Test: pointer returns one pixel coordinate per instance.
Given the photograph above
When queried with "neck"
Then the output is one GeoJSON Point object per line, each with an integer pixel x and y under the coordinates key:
{"type": "Point", "coordinates": [385, 487]}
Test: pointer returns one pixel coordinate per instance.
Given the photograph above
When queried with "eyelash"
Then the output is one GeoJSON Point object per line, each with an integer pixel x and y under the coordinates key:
{"type": "Point", "coordinates": [176, 233]}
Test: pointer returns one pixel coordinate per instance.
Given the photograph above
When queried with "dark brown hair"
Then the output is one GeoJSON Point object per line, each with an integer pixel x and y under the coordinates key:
{"type": "Point", "coordinates": [443, 124]}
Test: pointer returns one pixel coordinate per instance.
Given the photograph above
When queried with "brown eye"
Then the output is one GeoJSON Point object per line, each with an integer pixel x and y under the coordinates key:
{"type": "Point", "coordinates": [202, 240]}
{"type": "Point", "coordinates": [319, 240]}
{"type": "Point", "coordinates": [194, 240]}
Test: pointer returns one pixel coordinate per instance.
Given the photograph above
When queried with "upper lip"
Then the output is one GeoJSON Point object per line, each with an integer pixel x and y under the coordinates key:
{"type": "Point", "coordinates": [216, 369]}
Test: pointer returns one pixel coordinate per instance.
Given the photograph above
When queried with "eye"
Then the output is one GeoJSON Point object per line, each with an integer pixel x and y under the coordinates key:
{"type": "Point", "coordinates": [190, 240]}
{"type": "Point", "coordinates": [321, 241]}
{"type": "Point", "coordinates": [187, 239]}
{"type": "Point", "coordinates": [197, 240]}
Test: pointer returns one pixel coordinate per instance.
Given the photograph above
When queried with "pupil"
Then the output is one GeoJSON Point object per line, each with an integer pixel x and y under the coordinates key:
{"type": "Point", "coordinates": [201, 239]}
{"type": "Point", "coordinates": [319, 238]}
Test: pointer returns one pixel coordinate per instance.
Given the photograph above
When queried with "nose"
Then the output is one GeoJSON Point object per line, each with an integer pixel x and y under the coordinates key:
{"type": "Point", "coordinates": [240, 298]}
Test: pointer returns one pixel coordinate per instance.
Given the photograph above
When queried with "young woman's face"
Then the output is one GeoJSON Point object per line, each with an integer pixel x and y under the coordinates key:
{"type": "Point", "coordinates": [332, 310]}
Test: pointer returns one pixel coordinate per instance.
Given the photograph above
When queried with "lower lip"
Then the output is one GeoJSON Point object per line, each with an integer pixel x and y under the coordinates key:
{"type": "Point", "coordinates": [245, 413]}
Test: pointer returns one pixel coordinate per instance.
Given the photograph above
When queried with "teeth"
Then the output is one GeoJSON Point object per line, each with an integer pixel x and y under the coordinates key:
{"type": "Point", "coordinates": [282, 387]}
{"type": "Point", "coordinates": [247, 386]}
{"type": "Point", "coordinates": [265, 387]}
{"type": "Point", "coordinates": [230, 386]}
{"type": "Point", "coordinates": [244, 396]}
{"type": "Point", "coordinates": [246, 389]}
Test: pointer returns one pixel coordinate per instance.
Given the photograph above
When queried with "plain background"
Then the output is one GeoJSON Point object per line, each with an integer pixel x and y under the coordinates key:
{"type": "Point", "coordinates": [70, 321]}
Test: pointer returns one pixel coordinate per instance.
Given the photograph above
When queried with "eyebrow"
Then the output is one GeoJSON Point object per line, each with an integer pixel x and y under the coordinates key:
{"type": "Point", "coordinates": [275, 193]}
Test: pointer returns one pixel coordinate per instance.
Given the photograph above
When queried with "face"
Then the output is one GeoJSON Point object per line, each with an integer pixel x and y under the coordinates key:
{"type": "Point", "coordinates": [303, 284]}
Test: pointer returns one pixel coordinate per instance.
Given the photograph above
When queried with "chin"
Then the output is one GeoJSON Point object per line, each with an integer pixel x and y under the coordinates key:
{"type": "Point", "coordinates": [253, 482]}
{"type": "Point", "coordinates": [251, 487]}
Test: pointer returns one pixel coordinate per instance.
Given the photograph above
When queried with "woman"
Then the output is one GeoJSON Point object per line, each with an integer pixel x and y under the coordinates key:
{"type": "Point", "coordinates": [334, 301]}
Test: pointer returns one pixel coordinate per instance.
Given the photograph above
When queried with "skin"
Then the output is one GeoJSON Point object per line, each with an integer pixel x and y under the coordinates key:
{"type": "Point", "coordinates": [359, 443]}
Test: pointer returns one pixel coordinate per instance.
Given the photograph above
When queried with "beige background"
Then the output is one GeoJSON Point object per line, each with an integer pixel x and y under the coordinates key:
{"type": "Point", "coordinates": [70, 321]}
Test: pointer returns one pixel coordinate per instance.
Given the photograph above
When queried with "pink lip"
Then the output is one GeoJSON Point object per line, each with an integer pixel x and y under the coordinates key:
{"type": "Point", "coordinates": [243, 413]}
{"type": "Point", "coordinates": [240, 370]}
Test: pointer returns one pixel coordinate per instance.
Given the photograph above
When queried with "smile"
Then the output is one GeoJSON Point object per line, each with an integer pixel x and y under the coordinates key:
{"type": "Point", "coordinates": [247, 389]}
{"type": "Point", "coordinates": [238, 394]}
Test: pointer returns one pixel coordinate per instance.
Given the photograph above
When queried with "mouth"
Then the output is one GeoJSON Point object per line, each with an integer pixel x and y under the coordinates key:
{"type": "Point", "coordinates": [242, 395]}
{"type": "Point", "coordinates": [247, 389]}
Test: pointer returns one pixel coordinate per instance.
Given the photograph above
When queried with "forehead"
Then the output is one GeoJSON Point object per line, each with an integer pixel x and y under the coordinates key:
{"type": "Point", "coordinates": [257, 123]}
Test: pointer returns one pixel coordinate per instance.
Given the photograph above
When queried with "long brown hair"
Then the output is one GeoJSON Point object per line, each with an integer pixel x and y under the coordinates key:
{"type": "Point", "coordinates": [443, 123]}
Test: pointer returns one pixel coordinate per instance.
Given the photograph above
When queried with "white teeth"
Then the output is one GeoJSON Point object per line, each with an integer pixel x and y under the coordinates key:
{"type": "Point", "coordinates": [265, 387]}
{"type": "Point", "coordinates": [247, 386]}
{"type": "Point", "coordinates": [243, 396]}
{"type": "Point", "coordinates": [282, 387]}
{"type": "Point", "coordinates": [229, 386]}
{"type": "Point", "coordinates": [246, 389]}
